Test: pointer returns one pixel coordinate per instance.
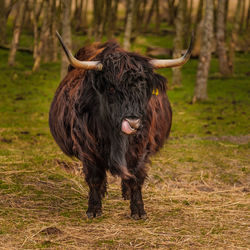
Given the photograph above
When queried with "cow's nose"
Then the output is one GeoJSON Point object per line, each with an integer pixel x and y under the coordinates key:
{"type": "Point", "coordinates": [134, 123]}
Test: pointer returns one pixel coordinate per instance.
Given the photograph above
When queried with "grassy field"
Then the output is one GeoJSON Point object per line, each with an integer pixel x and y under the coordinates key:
{"type": "Point", "coordinates": [197, 192]}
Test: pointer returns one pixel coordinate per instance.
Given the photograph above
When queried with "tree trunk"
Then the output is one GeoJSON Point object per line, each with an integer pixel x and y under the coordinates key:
{"type": "Point", "coordinates": [178, 41]}
{"type": "Point", "coordinates": [198, 15]}
{"type": "Point", "coordinates": [128, 26]}
{"type": "Point", "coordinates": [200, 92]}
{"type": "Point", "coordinates": [98, 18]}
{"type": "Point", "coordinates": [2, 22]}
{"type": "Point", "coordinates": [157, 17]}
{"type": "Point", "coordinates": [4, 14]}
{"type": "Point", "coordinates": [78, 15]}
{"type": "Point", "coordinates": [225, 17]}
{"type": "Point", "coordinates": [185, 33]}
{"type": "Point", "coordinates": [112, 7]}
{"type": "Point", "coordinates": [242, 20]}
{"type": "Point", "coordinates": [150, 14]}
{"type": "Point", "coordinates": [171, 8]}
{"type": "Point", "coordinates": [234, 36]}
{"type": "Point", "coordinates": [48, 42]}
{"type": "Point", "coordinates": [107, 16]}
{"type": "Point", "coordinates": [66, 34]}
{"type": "Point", "coordinates": [36, 12]}
{"type": "Point", "coordinates": [114, 17]}
{"type": "Point", "coordinates": [215, 15]}
{"type": "Point", "coordinates": [248, 16]}
{"type": "Point", "coordinates": [35, 27]}
{"type": "Point", "coordinates": [17, 32]}
{"type": "Point", "coordinates": [220, 35]}
{"type": "Point", "coordinates": [84, 15]}
{"type": "Point", "coordinates": [53, 31]}
{"type": "Point", "coordinates": [187, 29]}
{"type": "Point", "coordinates": [143, 14]}
{"type": "Point", "coordinates": [137, 18]}
{"type": "Point", "coordinates": [27, 21]}
{"type": "Point", "coordinates": [43, 34]}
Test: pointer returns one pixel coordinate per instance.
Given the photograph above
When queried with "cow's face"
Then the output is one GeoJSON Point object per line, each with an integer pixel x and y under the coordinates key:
{"type": "Point", "coordinates": [124, 90]}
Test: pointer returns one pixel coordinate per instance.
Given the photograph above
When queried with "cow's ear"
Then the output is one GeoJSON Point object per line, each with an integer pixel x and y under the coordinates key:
{"type": "Point", "coordinates": [158, 84]}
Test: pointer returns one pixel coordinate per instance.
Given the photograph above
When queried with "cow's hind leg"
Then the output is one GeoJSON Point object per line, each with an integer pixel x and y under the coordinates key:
{"type": "Point", "coordinates": [135, 194]}
{"type": "Point", "coordinates": [97, 182]}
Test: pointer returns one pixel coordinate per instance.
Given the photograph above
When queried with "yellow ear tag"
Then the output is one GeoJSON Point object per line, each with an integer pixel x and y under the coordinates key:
{"type": "Point", "coordinates": [155, 92]}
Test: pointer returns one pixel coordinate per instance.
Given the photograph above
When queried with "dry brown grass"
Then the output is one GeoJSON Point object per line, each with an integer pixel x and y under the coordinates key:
{"type": "Point", "coordinates": [188, 205]}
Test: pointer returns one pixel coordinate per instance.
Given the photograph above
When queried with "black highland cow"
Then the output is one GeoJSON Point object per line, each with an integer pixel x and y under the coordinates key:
{"type": "Point", "coordinates": [111, 111]}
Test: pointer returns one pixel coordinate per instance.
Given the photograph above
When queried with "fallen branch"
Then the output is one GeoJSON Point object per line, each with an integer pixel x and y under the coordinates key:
{"type": "Point", "coordinates": [22, 49]}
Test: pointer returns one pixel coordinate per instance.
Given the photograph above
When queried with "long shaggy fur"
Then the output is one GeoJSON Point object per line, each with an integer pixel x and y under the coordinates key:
{"type": "Point", "coordinates": [87, 112]}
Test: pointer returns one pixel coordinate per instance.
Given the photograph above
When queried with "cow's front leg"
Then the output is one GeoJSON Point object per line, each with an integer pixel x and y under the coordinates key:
{"type": "Point", "coordinates": [136, 202]}
{"type": "Point", "coordinates": [97, 182]}
{"type": "Point", "coordinates": [125, 190]}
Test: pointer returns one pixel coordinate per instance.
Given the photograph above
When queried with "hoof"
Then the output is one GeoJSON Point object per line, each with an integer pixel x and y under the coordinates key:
{"type": "Point", "coordinates": [92, 215]}
{"type": "Point", "coordinates": [139, 217]}
{"type": "Point", "coordinates": [98, 214]}
{"type": "Point", "coordinates": [144, 216]}
{"type": "Point", "coordinates": [135, 216]}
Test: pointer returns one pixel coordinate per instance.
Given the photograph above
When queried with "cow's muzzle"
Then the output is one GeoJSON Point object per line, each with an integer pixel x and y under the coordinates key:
{"type": "Point", "coordinates": [130, 126]}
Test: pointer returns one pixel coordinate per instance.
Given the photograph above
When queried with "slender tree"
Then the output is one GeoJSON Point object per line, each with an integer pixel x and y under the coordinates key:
{"type": "Point", "coordinates": [157, 17]}
{"type": "Point", "coordinates": [44, 34]}
{"type": "Point", "coordinates": [84, 23]}
{"type": "Point", "coordinates": [220, 37]}
{"type": "Point", "coordinates": [200, 92]}
{"type": "Point", "coordinates": [47, 36]}
{"type": "Point", "coordinates": [77, 19]}
{"type": "Point", "coordinates": [98, 18]}
{"type": "Point", "coordinates": [2, 22]}
{"type": "Point", "coordinates": [198, 15]}
{"type": "Point", "coordinates": [150, 14]}
{"type": "Point", "coordinates": [141, 15]}
{"type": "Point", "coordinates": [178, 41]}
{"type": "Point", "coordinates": [137, 18]}
{"type": "Point", "coordinates": [172, 10]}
{"type": "Point", "coordinates": [248, 16]}
{"type": "Point", "coordinates": [54, 28]}
{"type": "Point", "coordinates": [242, 19]}
{"type": "Point", "coordinates": [5, 10]}
{"type": "Point", "coordinates": [111, 10]}
{"type": "Point", "coordinates": [225, 16]}
{"type": "Point", "coordinates": [128, 26]}
{"type": "Point", "coordinates": [215, 14]}
{"type": "Point", "coordinates": [234, 35]}
{"type": "Point", "coordinates": [66, 33]}
{"type": "Point", "coordinates": [188, 22]}
{"type": "Point", "coordinates": [17, 31]}
{"type": "Point", "coordinates": [107, 16]}
{"type": "Point", "coordinates": [36, 12]}
{"type": "Point", "coordinates": [27, 21]}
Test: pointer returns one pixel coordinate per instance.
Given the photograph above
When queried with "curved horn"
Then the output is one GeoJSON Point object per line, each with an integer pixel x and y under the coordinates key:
{"type": "Point", "coordinates": [76, 63]}
{"type": "Point", "coordinates": [169, 63]}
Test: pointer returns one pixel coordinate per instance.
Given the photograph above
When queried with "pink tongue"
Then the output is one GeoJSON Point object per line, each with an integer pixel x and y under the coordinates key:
{"type": "Point", "coordinates": [126, 127]}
